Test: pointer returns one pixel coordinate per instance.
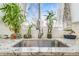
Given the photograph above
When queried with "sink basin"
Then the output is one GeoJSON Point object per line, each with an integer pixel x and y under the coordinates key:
{"type": "Point", "coordinates": [40, 43]}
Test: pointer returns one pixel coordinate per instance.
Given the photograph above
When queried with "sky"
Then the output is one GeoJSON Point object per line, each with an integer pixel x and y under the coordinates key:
{"type": "Point", "coordinates": [49, 6]}
{"type": "Point", "coordinates": [33, 9]}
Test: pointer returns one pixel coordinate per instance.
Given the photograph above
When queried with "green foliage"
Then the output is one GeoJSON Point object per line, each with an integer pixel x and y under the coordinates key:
{"type": "Point", "coordinates": [13, 16]}
{"type": "Point", "coordinates": [28, 35]}
{"type": "Point", "coordinates": [29, 29]}
{"type": "Point", "coordinates": [50, 18]}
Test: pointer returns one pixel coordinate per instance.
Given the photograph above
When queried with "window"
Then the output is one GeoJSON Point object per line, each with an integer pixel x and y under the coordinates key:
{"type": "Point", "coordinates": [32, 13]}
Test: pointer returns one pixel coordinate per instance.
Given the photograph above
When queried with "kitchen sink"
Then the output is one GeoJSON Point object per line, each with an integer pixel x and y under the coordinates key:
{"type": "Point", "coordinates": [41, 43]}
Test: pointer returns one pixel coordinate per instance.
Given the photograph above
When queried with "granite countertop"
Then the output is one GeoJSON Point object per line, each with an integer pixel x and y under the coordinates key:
{"type": "Point", "coordinates": [9, 42]}
{"type": "Point", "coordinates": [7, 45]}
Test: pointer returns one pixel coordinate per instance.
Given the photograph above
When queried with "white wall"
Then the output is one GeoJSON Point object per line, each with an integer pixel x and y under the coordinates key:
{"type": "Point", "coordinates": [3, 28]}
{"type": "Point", "coordinates": [75, 12]}
{"type": "Point", "coordinates": [75, 17]}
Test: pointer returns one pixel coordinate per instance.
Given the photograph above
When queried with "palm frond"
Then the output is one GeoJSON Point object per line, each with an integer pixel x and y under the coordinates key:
{"type": "Point", "coordinates": [13, 16]}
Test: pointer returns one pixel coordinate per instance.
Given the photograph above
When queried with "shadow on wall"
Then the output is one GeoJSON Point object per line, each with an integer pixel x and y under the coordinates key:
{"type": "Point", "coordinates": [4, 29]}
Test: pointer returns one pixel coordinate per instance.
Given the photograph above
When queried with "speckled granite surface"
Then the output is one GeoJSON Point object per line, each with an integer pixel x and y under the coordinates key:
{"type": "Point", "coordinates": [72, 50]}
{"type": "Point", "coordinates": [40, 54]}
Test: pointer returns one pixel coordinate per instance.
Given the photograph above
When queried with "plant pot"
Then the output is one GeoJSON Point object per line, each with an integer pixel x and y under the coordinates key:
{"type": "Point", "coordinates": [49, 36]}
{"type": "Point", "coordinates": [27, 36]}
{"type": "Point", "coordinates": [18, 36]}
{"type": "Point", "coordinates": [70, 36]}
{"type": "Point", "coordinates": [13, 36]}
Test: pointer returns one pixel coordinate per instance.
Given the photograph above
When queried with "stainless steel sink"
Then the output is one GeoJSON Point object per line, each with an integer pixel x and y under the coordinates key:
{"type": "Point", "coordinates": [41, 43]}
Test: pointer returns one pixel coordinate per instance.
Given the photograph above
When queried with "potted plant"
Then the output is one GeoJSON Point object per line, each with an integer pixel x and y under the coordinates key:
{"type": "Point", "coordinates": [13, 17]}
{"type": "Point", "coordinates": [70, 35]}
{"type": "Point", "coordinates": [28, 35]}
{"type": "Point", "coordinates": [50, 18]}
